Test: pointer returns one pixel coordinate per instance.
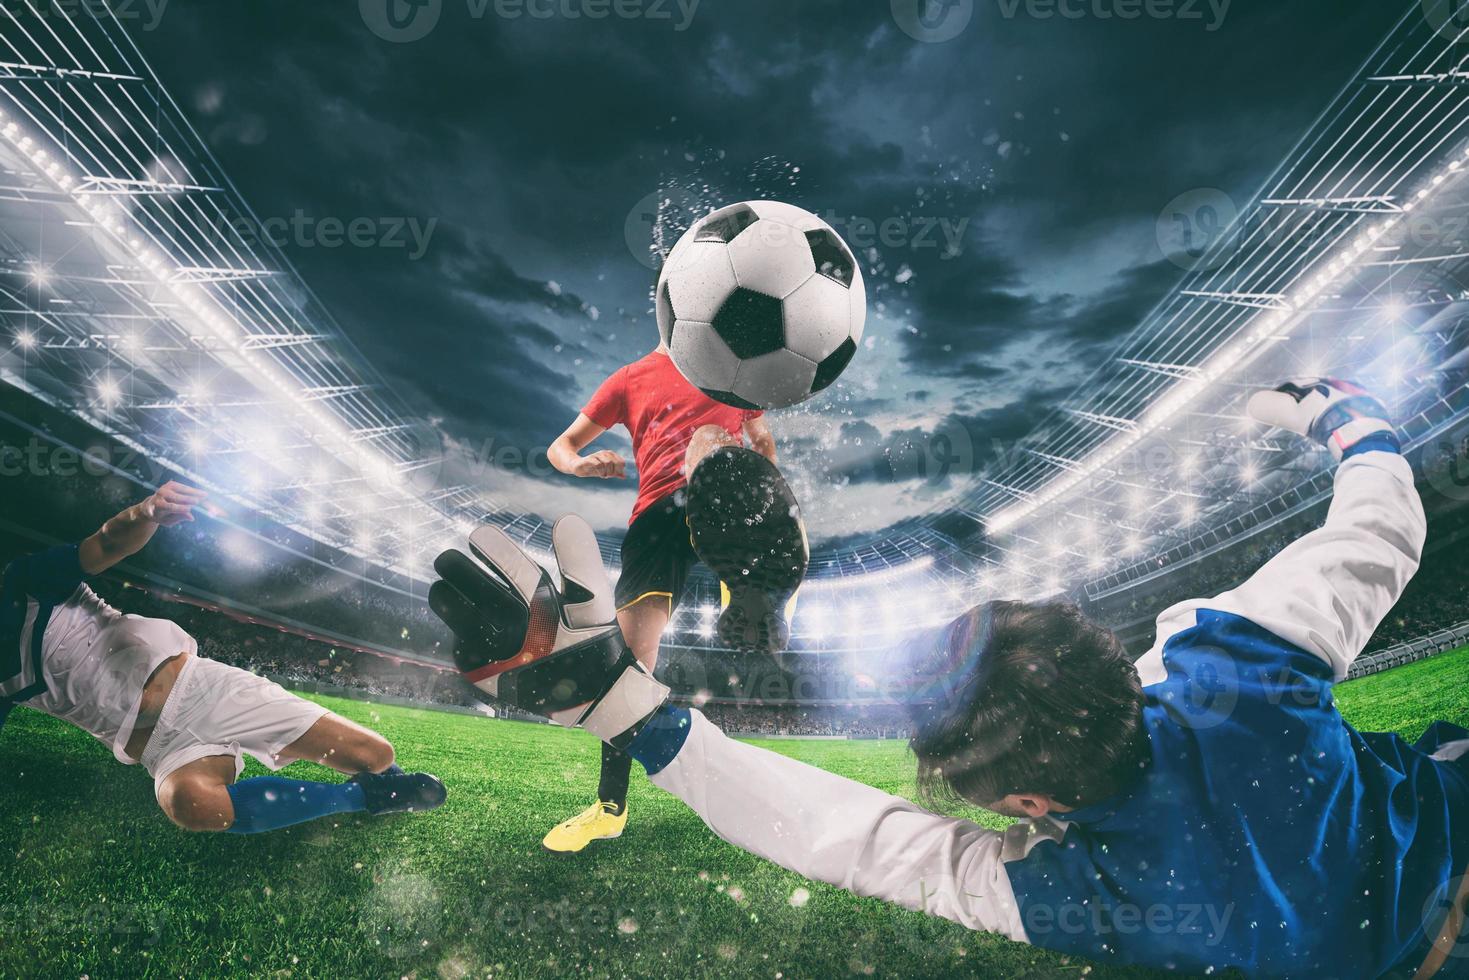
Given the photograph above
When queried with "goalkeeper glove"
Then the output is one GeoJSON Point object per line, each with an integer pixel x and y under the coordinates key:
{"type": "Point", "coordinates": [1338, 414]}
{"type": "Point", "coordinates": [549, 647]}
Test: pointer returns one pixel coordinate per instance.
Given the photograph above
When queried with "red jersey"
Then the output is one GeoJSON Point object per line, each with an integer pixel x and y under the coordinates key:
{"type": "Point", "coordinates": [661, 410]}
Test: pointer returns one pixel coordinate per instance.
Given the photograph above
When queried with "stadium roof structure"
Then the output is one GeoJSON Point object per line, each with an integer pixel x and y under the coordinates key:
{"type": "Point", "coordinates": [1349, 262]}
{"type": "Point", "coordinates": [138, 293]}
{"type": "Point", "coordinates": [1352, 261]}
{"type": "Point", "coordinates": [138, 296]}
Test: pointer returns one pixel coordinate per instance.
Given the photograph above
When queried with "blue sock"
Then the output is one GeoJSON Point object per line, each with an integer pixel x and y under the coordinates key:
{"type": "Point", "coordinates": [271, 802]}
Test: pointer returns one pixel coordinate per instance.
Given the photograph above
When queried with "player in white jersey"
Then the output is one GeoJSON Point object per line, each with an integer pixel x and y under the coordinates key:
{"type": "Point", "coordinates": [139, 686]}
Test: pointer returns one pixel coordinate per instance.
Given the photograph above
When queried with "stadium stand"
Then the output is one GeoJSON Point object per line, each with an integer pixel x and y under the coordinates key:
{"type": "Point", "coordinates": [320, 619]}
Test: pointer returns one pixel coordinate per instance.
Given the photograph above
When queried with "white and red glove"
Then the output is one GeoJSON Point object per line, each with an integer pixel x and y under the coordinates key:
{"type": "Point", "coordinates": [1340, 415]}
{"type": "Point", "coordinates": [552, 648]}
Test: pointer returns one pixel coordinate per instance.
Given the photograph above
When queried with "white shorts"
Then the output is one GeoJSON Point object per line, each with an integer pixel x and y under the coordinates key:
{"type": "Point", "coordinates": [215, 709]}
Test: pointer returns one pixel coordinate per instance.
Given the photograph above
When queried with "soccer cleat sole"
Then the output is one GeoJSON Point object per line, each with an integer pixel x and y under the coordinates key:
{"type": "Point", "coordinates": [745, 524]}
{"type": "Point", "coordinates": [751, 623]}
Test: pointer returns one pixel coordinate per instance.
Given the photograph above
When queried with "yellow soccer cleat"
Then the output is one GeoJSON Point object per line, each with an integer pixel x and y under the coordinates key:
{"type": "Point", "coordinates": [596, 822]}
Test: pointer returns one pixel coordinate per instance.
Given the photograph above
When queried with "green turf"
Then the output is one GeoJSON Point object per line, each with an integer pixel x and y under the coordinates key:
{"type": "Point", "coordinates": [97, 882]}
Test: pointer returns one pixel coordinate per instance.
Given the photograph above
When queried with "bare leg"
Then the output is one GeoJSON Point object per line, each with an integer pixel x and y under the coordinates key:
{"type": "Point", "coordinates": [643, 624]}
{"type": "Point", "coordinates": [196, 796]}
{"type": "Point", "coordinates": [704, 441]}
{"type": "Point", "coordinates": [343, 745]}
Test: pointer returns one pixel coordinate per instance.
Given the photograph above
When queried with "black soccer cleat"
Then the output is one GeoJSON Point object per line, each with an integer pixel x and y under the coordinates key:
{"type": "Point", "coordinates": [400, 792]}
{"type": "Point", "coordinates": [745, 524]}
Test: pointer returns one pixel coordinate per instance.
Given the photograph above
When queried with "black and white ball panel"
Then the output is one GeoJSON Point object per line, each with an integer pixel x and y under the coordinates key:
{"type": "Point", "coordinates": [771, 257]}
{"type": "Point", "coordinates": [752, 323]}
{"type": "Point", "coordinates": [817, 318]}
{"type": "Point", "coordinates": [761, 304]}
{"type": "Point", "coordinates": [798, 218]}
{"type": "Point", "coordinates": [701, 280]}
{"type": "Point", "coordinates": [724, 225]}
{"type": "Point", "coordinates": [703, 356]}
{"type": "Point", "coordinates": [781, 377]}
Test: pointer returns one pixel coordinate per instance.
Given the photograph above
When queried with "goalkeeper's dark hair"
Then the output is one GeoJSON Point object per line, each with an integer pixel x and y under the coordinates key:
{"type": "Point", "coordinates": [1032, 698]}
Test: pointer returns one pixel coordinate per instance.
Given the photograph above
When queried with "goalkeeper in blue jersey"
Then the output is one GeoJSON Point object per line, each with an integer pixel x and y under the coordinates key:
{"type": "Point", "coordinates": [139, 686]}
{"type": "Point", "coordinates": [1203, 809]}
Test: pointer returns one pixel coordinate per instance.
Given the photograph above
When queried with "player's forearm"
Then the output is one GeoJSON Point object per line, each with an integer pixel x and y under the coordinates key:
{"type": "Point", "coordinates": [123, 535]}
{"type": "Point", "coordinates": [1327, 591]}
{"type": "Point", "coordinates": [841, 832]}
{"type": "Point", "coordinates": [1377, 499]}
{"type": "Point", "coordinates": [563, 457]}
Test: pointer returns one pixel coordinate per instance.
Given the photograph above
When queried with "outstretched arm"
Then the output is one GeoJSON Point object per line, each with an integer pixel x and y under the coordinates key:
{"type": "Point", "coordinates": [839, 831]}
{"type": "Point", "coordinates": [129, 532]}
{"type": "Point", "coordinates": [1328, 591]}
{"type": "Point", "coordinates": [551, 644]}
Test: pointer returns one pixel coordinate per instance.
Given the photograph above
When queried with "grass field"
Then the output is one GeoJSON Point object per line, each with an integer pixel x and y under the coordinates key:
{"type": "Point", "coordinates": [99, 883]}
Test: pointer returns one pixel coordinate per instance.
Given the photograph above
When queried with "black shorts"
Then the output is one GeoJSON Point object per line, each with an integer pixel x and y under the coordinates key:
{"type": "Point", "coordinates": [657, 555]}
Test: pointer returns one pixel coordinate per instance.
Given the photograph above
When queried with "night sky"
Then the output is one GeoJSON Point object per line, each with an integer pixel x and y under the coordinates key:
{"type": "Point", "coordinates": [1005, 187]}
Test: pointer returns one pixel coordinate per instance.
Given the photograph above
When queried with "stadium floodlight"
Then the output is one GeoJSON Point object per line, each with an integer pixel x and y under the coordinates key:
{"type": "Point", "coordinates": [184, 297]}
{"type": "Point", "coordinates": [109, 391]}
{"type": "Point", "coordinates": [1252, 340]}
{"type": "Point", "coordinates": [26, 339]}
{"type": "Point", "coordinates": [886, 575]}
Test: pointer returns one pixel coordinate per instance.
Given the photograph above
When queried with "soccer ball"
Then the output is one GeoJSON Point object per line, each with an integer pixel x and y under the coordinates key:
{"type": "Point", "coordinates": [761, 305]}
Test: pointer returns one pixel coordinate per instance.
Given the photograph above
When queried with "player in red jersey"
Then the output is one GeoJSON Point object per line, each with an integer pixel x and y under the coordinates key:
{"type": "Point", "coordinates": [674, 428]}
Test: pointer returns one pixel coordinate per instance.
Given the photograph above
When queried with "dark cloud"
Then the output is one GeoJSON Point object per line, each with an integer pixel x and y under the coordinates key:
{"type": "Point", "coordinates": [1003, 187]}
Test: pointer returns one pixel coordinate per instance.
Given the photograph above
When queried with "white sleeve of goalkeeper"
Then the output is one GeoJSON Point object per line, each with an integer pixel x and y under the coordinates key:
{"type": "Point", "coordinates": [848, 834]}
{"type": "Point", "coordinates": [1327, 591]}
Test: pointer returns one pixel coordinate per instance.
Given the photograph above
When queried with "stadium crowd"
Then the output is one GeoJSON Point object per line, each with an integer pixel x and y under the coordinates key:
{"type": "Point", "coordinates": [292, 656]}
{"type": "Point", "coordinates": [313, 616]}
{"type": "Point", "coordinates": [1437, 597]}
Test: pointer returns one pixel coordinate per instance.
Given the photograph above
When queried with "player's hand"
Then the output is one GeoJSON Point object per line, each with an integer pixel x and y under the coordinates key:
{"type": "Point", "coordinates": [548, 646]}
{"type": "Point", "coordinates": [1338, 414]}
{"type": "Point", "coordinates": [173, 504]}
{"type": "Point", "coordinates": [603, 464]}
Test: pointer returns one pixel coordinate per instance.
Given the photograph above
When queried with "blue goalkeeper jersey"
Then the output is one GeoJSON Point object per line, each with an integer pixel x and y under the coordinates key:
{"type": "Point", "coordinates": [1266, 833]}
{"type": "Point", "coordinates": [1262, 832]}
{"type": "Point", "coordinates": [33, 586]}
